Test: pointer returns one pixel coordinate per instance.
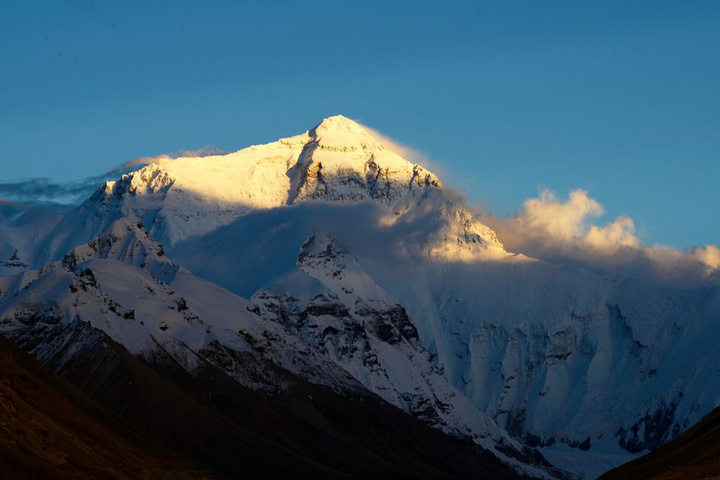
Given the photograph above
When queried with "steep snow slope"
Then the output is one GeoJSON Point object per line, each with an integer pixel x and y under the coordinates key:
{"type": "Point", "coordinates": [537, 346]}
{"type": "Point", "coordinates": [20, 232]}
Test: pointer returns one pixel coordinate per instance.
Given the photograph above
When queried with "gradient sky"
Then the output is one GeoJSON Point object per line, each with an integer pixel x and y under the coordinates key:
{"type": "Point", "coordinates": [620, 98]}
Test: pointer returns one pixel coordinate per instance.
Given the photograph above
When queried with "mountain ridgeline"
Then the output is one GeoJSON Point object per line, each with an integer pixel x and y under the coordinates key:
{"type": "Point", "coordinates": [327, 273]}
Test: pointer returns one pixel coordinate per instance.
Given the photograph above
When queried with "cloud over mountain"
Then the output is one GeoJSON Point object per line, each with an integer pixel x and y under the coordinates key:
{"type": "Point", "coordinates": [564, 231]}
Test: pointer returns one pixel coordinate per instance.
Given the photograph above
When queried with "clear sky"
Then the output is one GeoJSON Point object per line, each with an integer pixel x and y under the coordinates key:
{"type": "Point", "coordinates": [620, 98]}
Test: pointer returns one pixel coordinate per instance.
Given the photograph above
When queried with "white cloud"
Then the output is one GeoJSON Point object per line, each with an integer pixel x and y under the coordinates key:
{"type": "Point", "coordinates": [564, 231]}
{"type": "Point", "coordinates": [709, 255]}
{"type": "Point", "coordinates": [567, 223]}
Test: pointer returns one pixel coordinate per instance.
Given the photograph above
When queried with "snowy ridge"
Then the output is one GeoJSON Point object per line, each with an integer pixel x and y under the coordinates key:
{"type": "Point", "coordinates": [126, 241]}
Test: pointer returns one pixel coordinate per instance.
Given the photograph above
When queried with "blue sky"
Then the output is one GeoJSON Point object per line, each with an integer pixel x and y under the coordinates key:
{"type": "Point", "coordinates": [619, 98]}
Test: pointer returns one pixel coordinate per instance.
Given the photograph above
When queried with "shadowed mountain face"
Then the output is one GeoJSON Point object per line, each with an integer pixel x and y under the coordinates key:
{"type": "Point", "coordinates": [693, 455]}
{"type": "Point", "coordinates": [152, 419]}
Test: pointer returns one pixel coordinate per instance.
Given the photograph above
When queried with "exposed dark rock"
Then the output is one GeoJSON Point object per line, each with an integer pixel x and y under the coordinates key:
{"type": "Point", "coordinates": [335, 310]}
{"type": "Point", "coordinates": [14, 261]}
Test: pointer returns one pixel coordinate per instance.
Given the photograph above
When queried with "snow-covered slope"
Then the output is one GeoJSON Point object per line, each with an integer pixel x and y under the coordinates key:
{"type": "Point", "coordinates": [20, 231]}
{"type": "Point", "coordinates": [122, 284]}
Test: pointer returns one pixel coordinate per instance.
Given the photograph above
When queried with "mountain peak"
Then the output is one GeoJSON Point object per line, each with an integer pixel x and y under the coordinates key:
{"type": "Point", "coordinates": [341, 133]}
{"type": "Point", "coordinates": [339, 123]}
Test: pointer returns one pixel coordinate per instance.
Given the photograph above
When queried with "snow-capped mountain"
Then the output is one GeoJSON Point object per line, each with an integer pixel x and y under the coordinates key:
{"type": "Point", "coordinates": [336, 162]}
{"type": "Point", "coordinates": [328, 256]}
{"type": "Point", "coordinates": [122, 285]}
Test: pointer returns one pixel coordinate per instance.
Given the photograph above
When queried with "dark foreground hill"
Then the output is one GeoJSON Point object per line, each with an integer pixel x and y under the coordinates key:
{"type": "Point", "coordinates": [50, 429]}
{"type": "Point", "coordinates": [158, 422]}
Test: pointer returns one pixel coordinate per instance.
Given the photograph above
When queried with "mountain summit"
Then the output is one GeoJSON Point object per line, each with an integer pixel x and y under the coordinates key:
{"type": "Point", "coordinates": [341, 161]}
{"type": "Point", "coordinates": [342, 131]}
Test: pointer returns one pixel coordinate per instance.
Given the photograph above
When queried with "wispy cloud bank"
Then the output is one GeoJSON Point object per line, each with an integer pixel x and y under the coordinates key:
{"type": "Point", "coordinates": [45, 189]}
{"type": "Point", "coordinates": [408, 153]}
{"type": "Point", "coordinates": [564, 231]}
